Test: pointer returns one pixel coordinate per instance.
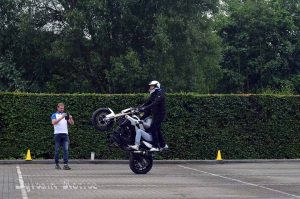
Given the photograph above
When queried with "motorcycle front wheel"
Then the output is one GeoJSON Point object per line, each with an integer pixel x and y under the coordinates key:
{"type": "Point", "coordinates": [140, 164]}
{"type": "Point", "coordinates": [98, 119]}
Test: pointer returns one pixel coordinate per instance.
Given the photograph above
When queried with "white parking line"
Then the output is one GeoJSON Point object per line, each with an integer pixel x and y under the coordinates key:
{"type": "Point", "coordinates": [236, 180]}
{"type": "Point", "coordinates": [21, 181]}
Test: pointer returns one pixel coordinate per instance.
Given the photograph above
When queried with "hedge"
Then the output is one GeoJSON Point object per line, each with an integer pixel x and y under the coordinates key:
{"type": "Point", "coordinates": [241, 126]}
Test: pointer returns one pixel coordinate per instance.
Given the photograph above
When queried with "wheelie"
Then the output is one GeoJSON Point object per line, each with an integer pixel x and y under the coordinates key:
{"type": "Point", "coordinates": [139, 135]}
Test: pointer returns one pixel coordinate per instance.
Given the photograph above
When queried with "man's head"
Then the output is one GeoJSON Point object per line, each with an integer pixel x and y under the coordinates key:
{"type": "Point", "coordinates": [153, 85]}
{"type": "Point", "coordinates": [60, 107]}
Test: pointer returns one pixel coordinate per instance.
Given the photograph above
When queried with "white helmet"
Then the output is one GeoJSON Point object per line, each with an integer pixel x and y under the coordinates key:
{"type": "Point", "coordinates": [154, 83]}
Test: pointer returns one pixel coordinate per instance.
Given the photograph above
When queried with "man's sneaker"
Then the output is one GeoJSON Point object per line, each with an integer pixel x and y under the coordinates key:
{"type": "Point", "coordinates": [57, 166]}
{"type": "Point", "coordinates": [154, 149]}
{"type": "Point", "coordinates": [135, 147]}
{"type": "Point", "coordinates": [66, 167]}
{"type": "Point", "coordinates": [147, 144]}
{"type": "Point", "coordinates": [164, 148]}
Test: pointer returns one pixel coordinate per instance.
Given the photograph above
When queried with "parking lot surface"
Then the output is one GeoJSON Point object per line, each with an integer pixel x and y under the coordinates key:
{"type": "Point", "coordinates": [239, 180]}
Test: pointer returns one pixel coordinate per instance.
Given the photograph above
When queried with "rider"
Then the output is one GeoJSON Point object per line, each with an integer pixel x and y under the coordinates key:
{"type": "Point", "coordinates": [155, 106]}
{"type": "Point", "coordinates": [140, 133]}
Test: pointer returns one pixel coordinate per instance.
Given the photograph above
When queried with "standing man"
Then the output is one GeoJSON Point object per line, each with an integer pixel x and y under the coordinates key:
{"type": "Point", "coordinates": [155, 106]}
{"type": "Point", "coordinates": [60, 121]}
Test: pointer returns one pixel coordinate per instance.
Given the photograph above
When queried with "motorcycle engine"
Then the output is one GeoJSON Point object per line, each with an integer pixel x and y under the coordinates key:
{"type": "Point", "coordinates": [124, 134]}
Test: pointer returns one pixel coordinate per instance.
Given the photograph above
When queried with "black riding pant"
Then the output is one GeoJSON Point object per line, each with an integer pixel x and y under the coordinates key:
{"type": "Point", "coordinates": [158, 138]}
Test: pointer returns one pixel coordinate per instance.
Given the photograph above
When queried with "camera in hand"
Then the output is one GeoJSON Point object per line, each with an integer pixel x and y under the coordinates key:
{"type": "Point", "coordinates": [67, 117]}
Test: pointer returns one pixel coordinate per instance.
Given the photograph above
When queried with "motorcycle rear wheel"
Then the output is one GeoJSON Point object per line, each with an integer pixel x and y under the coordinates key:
{"type": "Point", "coordinates": [140, 164]}
{"type": "Point", "coordinates": [98, 122]}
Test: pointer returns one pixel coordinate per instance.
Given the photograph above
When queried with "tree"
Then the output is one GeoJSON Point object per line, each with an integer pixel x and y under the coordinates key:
{"type": "Point", "coordinates": [93, 46]}
{"type": "Point", "coordinates": [185, 44]}
{"type": "Point", "coordinates": [258, 39]}
{"type": "Point", "coordinates": [10, 76]}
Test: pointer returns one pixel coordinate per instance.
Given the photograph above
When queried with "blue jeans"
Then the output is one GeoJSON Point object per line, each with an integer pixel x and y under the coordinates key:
{"type": "Point", "coordinates": [61, 139]}
{"type": "Point", "coordinates": [140, 133]}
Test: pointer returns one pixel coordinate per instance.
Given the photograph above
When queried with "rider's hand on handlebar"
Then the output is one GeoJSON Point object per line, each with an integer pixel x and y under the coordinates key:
{"type": "Point", "coordinates": [141, 109]}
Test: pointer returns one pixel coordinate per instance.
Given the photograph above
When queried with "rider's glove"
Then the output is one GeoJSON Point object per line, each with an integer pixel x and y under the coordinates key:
{"type": "Point", "coordinates": [141, 109]}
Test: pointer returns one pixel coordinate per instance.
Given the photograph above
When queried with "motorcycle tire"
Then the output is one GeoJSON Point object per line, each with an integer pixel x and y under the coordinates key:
{"type": "Point", "coordinates": [98, 122]}
{"type": "Point", "coordinates": [140, 164]}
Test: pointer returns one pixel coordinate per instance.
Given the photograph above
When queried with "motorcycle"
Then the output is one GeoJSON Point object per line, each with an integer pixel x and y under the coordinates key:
{"type": "Point", "coordinates": [103, 119]}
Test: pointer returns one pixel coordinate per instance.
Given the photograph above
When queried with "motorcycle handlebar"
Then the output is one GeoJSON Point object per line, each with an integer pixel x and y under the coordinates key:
{"type": "Point", "coordinates": [129, 111]}
{"type": "Point", "coordinates": [132, 111]}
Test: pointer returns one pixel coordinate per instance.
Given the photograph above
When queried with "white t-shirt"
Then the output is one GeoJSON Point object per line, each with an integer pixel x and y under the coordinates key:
{"type": "Point", "coordinates": [62, 125]}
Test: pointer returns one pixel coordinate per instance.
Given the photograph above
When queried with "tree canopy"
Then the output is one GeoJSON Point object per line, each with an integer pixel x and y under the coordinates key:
{"type": "Point", "coordinates": [260, 46]}
{"type": "Point", "coordinates": [107, 46]}
{"type": "Point", "coordinates": [118, 46]}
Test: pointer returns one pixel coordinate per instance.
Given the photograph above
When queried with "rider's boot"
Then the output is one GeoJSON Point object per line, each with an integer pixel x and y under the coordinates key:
{"type": "Point", "coordinates": [135, 147]}
{"type": "Point", "coordinates": [154, 149]}
{"type": "Point", "coordinates": [165, 147]}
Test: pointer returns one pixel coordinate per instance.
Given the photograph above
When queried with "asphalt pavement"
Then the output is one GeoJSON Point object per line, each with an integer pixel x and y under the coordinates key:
{"type": "Point", "coordinates": [112, 179]}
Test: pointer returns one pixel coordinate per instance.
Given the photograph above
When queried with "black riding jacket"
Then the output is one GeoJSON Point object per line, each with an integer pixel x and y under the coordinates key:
{"type": "Point", "coordinates": [155, 105]}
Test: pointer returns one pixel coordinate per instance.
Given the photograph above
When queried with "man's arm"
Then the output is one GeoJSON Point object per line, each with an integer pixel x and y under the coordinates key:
{"type": "Point", "coordinates": [147, 102]}
{"type": "Point", "coordinates": [55, 121]}
{"type": "Point", "coordinates": [71, 121]}
{"type": "Point", "coordinates": [157, 100]}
